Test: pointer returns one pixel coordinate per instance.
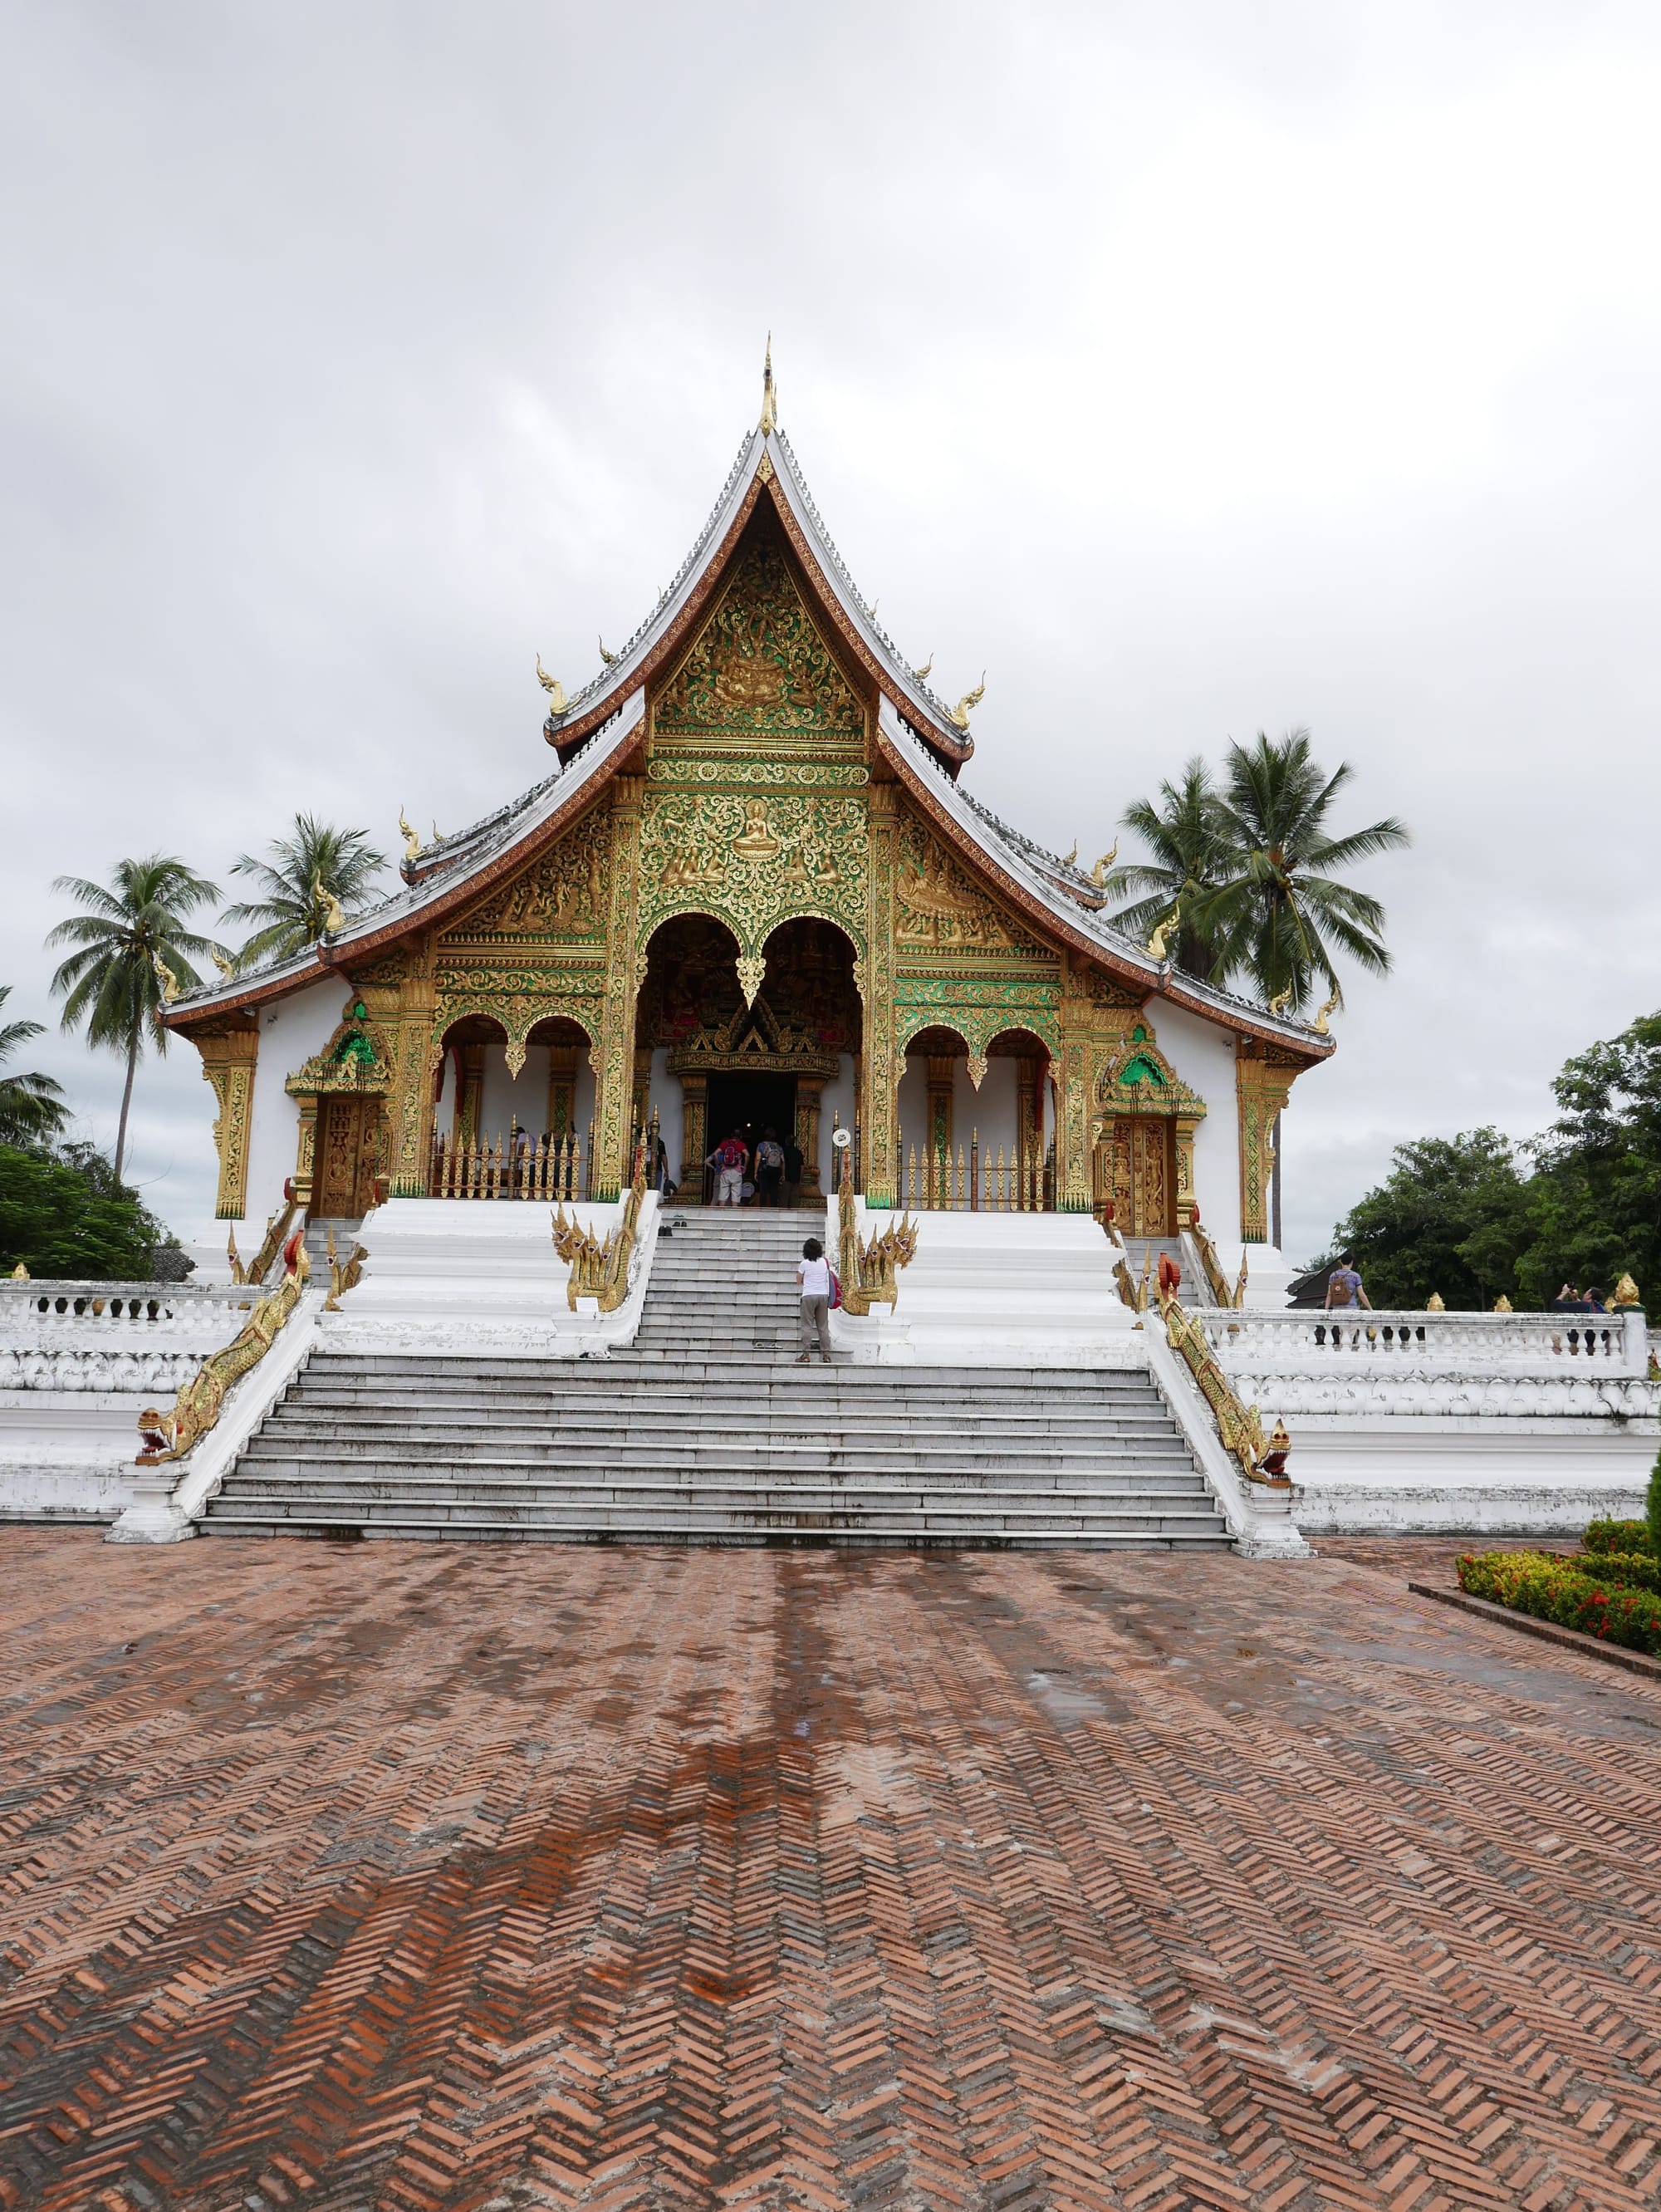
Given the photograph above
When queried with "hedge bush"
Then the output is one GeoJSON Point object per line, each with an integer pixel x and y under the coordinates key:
{"type": "Point", "coordinates": [1632, 1570]}
{"type": "Point", "coordinates": [1568, 1593]}
{"type": "Point", "coordinates": [1617, 1537]}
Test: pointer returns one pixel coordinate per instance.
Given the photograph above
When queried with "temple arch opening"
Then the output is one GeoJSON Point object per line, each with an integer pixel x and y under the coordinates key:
{"type": "Point", "coordinates": [707, 1062]}
{"type": "Point", "coordinates": [496, 1103]}
{"type": "Point", "coordinates": [983, 1144]}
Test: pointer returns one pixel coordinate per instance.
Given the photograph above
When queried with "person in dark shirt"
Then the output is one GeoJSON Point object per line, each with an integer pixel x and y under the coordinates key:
{"type": "Point", "coordinates": [769, 1169]}
{"type": "Point", "coordinates": [794, 1163]}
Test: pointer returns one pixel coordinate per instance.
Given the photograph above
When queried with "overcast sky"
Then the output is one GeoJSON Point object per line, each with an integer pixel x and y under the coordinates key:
{"type": "Point", "coordinates": [1193, 369]}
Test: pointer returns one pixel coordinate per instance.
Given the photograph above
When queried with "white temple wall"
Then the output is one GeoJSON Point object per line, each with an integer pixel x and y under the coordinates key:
{"type": "Point", "coordinates": [837, 1101]}
{"type": "Point", "coordinates": [1204, 1056]}
{"type": "Point", "coordinates": [290, 1032]}
{"type": "Point", "coordinates": [444, 1114]}
{"type": "Point", "coordinates": [507, 1098]}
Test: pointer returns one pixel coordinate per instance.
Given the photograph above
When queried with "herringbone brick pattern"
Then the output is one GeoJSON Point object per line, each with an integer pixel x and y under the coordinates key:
{"type": "Point", "coordinates": [380, 1876]}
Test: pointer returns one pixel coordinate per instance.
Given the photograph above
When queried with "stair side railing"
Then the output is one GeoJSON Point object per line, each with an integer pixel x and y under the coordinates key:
{"type": "Point", "coordinates": [277, 1227]}
{"type": "Point", "coordinates": [1223, 1293]}
{"type": "Point", "coordinates": [196, 1409]}
{"type": "Point", "coordinates": [1261, 1459]}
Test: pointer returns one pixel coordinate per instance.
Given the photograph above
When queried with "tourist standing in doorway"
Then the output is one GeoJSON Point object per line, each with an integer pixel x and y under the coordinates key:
{"type": "Point", "coordinates": [813, 1275]}
{"type": "Point", "coordinates": [729, 1160]}
{"type": "Point", "coordinates": [794, 1163]}
{"type": "Point", "coordinates": [769, 1169]}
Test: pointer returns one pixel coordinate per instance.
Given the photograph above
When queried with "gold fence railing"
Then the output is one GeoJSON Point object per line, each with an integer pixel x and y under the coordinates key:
{"type": "Point", "coordinates": [547, 1168]}
{"type": "Point", "coordinates": [978, 1180]}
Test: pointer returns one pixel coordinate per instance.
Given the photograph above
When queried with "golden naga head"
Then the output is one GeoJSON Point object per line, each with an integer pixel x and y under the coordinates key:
{"type": "Point", "coordinates": [1323, 1017]}
{"type": "Point", "coordinates": [333, 917]}
{"type": "Point", "coordinates": [1156, 942]}
{"type": "Point", "coordinates": [411, 841]}
{"type": "Point", "coordinates": [553, 688]}
{"type": "Point", "coordinates": [1099, 873]}
{"type": "Point", "coordinates": [1282, 1002]}
{"type": "Point", "coordinates": [958, 716]}
{"type": "Point", "coordinates": [166, 977]}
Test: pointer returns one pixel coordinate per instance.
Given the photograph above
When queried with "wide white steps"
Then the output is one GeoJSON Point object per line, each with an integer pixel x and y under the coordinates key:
{"type": "Point", "coordinates": [708, 1431]}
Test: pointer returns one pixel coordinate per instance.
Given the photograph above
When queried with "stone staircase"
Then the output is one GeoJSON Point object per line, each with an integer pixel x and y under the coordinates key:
{"type": "Point", "coordinates": [707, 1430]}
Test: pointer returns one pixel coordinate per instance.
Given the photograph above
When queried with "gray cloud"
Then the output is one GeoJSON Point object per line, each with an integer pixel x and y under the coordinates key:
{"type": "Point", "coordinates": [1192, 369]}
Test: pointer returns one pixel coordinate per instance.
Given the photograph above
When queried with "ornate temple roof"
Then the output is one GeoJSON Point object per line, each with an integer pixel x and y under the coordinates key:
{"type": "Point", "coordinates": [595, 730]}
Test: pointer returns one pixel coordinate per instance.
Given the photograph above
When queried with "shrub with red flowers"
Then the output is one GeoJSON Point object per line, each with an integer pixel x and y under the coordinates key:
{"type": "Point", "coordinates": [1572, 1593]}
{"type": "Point", "coordinates": [1616, 1536]}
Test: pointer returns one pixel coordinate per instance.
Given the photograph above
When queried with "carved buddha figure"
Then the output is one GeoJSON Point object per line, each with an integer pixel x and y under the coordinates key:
{"type": "Point", "coordinates": [755, 841]}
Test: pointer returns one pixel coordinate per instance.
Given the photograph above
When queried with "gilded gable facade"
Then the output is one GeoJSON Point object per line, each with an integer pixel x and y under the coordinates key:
{"type": "Point", "coordinates": [752, 869]}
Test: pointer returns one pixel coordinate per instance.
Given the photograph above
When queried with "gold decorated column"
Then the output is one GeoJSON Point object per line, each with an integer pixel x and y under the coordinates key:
{"type": "Point", "coordinates": [879, 1085]}
{"type": "Point", "coordinates": [227, 1064]}
{"type": "Point", "coordinates": [1075, 1073]}
{"type": "Point", "coordinates": [1261, 1090]}
{"type": "Point", "coordinates": [624, 961]}
{"type": "Point", "coordinates": [410, 1109]}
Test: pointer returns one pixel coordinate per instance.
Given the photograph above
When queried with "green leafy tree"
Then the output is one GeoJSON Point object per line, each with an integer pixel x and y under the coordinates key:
{"type": "Point", "coordinates": [33, 1109]}
{"type": "Point", "coordinates": [68, 1215]}
{"type": "Point", "coordinates": [304, 874]}
{"type": "Point", "coordinates": [1188, 862]}
{"type": "Point", "coordinates": [1282, 915]}
{"type": "Point", "coordinates": [1597, 1190]}
{"type": "Point", "coordinates": [1452, 1217]}
{"type": "Point", "coordinates": [127, 932]}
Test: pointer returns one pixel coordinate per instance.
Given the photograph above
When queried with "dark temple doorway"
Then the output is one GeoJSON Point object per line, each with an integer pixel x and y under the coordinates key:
{"type": "Point", "coordinates": [754, 1103]}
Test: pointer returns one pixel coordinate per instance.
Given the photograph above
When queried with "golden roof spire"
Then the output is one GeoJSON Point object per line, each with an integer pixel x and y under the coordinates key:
{"type": "Point", "coordinates": [769, 422]}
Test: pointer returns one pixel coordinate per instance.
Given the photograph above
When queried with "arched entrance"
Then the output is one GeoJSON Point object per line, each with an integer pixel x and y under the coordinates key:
{"type": "Point", "coordinates": [510, 1124]}
{"type": "Point", "coordinates": [707, 1062]}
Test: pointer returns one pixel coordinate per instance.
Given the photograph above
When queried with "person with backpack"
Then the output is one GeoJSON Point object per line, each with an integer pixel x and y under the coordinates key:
{"type": "Point", "coordinates": [769, 1169]}
{"type": "Point", "coordinates": [813, 1274]}
{"type": "Point", "coordinates": [730, 1159]}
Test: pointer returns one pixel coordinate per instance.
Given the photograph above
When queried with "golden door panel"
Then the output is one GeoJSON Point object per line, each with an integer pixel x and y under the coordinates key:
{"type": "Point", "coordinates": [348, 1157]}
{"type": "Point", "coordinates": [1136, 1169]}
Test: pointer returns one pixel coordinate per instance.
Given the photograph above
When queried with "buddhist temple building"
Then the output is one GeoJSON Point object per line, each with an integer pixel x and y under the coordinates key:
{"type": "Point", "coordinates": [753, 887]}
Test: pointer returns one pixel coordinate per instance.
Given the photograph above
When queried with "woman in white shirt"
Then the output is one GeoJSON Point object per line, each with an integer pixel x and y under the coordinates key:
{"type": "Point", "coordinates": [813, 1274]}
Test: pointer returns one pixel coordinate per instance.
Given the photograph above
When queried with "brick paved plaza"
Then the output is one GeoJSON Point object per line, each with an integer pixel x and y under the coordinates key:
{"type": "Point", "coordinates": [404, 1875]}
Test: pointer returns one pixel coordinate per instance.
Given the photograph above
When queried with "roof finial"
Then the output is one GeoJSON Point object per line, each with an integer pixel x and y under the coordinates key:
{"type": "Point", "coordinates": [769, 398]}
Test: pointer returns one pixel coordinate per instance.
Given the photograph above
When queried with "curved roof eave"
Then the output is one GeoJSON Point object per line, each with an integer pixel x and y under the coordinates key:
{"type": "Point", "coordinates": [1026, 875]}
{"type": "Point", "coordinates": [666, 630]}
{"type": "Point", "coordinates": [492, 849]}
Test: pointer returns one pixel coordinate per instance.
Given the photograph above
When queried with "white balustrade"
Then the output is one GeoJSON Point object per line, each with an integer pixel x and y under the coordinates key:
{"type": "Point", "coordinates": [1320, 1344]}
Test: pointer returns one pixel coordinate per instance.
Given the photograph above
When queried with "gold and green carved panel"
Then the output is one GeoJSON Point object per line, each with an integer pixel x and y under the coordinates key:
{"type": "Point", "coordinates": [759, 671]}
{"type": "Point", "coordinates": [874, 977]}
{"type": "Point", "coordinates": [684, 771]}
{"type": "Point", "coordinates": [941, 905]}
{"type": "Point", "coordinates": [1261, 1090]}
{"type": "Point", "coordinates": [560, 898]}
{"type": "Point", "coordinates": [518, 1001]}
{"type": "Point", "coordinates": [754, 862]}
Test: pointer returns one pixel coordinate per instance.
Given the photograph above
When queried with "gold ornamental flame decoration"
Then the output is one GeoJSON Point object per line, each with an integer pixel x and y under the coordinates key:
{"type": "Point", "coordinates": [1099, 873]}
{"type": "Point", "coordinates": [1435, 1303]}
{"type": "Point", "coordinates": [411, 841]}
{"type": "Point", "coordinates": [1282, 1002]}
{"type": "Point", "coordinates": [1323, 1020]}
{"type": "Point", "coordinates": [166, 977]}
{"type": "Point", "coordinates": [607, 657]}
{"type": "Point", "coordinates": [769, 422]}
{"type": "Point", "coordinates": [1156, 942]}
{"type": "Point", "coordinates": [1626, 1293]}
{"type": "Point", "coordinates": [923, 674]}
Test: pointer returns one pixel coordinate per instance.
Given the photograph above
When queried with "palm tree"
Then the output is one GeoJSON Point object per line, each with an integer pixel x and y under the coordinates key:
{"type": "Point", "coordinates": [1190, 862]}
{"type": "Point", "coordinates": [130, 930]}
{"type": "Point", "coordinates": [304, 875]}
{"type": "Point", "coordinates": [1282, 915]}
{"type": "Point", "coordinates": [31, 1108]}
